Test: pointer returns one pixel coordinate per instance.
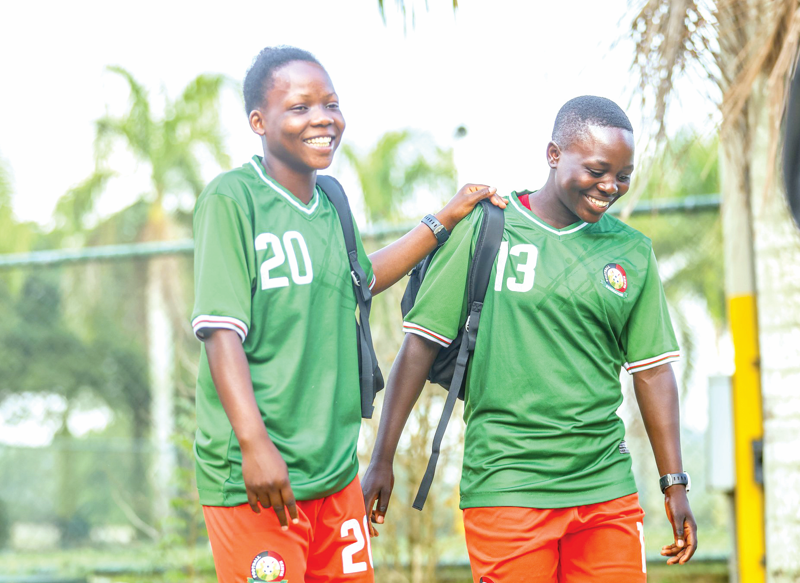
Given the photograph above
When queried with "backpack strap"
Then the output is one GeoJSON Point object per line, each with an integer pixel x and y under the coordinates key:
{"type": "Point", "coordinates": [367, 360]}
{"type": "Point", "coordinates": [480, 270]}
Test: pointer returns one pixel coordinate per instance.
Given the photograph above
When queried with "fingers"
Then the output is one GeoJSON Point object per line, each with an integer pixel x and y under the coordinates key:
{"type": "Point", "coordinates": [685, 543]}
{"type": "Point", "coordinates": [290, 503]}
{"type": "Point", "coordinates": [369, 503]}
{"type": "Point", "coordinates": [282, 502]}
{"type": "Point", "coordinates": [280, 512]}
{"type": "Point", "coordinates": [252, 500]}
{"type": "Point", "coordinates": [383, 504]}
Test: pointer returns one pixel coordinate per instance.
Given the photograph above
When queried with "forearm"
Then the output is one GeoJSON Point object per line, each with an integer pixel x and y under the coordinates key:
{"type": "Point", "coordinates": [231, 375]}
{"type": "Point", "coordinates": [405, 384]}
{"type": "Point", "coordinates": [657, 395]}
{"type": "Point", "coordinates": [394, 261]}
{"type": "Point", "coordinates": [398, 258]}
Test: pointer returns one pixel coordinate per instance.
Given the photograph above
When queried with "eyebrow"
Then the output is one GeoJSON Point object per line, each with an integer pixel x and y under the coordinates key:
{"type": "Point", "coordinates": [607, 164]}
{"type": "Point", "coordinates": [307, 95]}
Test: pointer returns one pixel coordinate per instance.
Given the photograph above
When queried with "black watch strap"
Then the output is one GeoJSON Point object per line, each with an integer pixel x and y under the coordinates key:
{"type": "Point", "coordinates": [668, 480]}
{"type": "Point", "coordinates": [438, 229]}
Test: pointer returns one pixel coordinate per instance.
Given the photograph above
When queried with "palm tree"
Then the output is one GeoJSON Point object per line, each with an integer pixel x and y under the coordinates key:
{"type": "Point", "coordinates": [400, 164]}
{"type": "Point", "coordinates": [747, 49]}
{"type": "Point", "coordinates": [170, 146]}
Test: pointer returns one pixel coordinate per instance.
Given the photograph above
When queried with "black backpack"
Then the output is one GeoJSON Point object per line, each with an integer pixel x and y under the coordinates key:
{"type": "Point", "coordinates": [371, 378]}
{"type": "Point", "coordinates": [450, 367]}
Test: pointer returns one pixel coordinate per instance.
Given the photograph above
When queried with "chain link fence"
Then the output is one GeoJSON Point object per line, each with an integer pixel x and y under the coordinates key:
{"type": "Point", "coordinates": [97, 373]}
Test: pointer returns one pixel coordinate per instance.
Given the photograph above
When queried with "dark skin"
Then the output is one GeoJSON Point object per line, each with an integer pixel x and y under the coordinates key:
{"type": "Point", "coordinates": [300, 125]}
{"type": "Point", "coordinates": [591, 172]}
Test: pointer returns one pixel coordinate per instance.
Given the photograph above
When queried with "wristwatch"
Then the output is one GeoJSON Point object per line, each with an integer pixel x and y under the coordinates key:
{"type": "Point", "coordinates": [671, 479]}
{"type": "Point", "coordinates": [438, 229]}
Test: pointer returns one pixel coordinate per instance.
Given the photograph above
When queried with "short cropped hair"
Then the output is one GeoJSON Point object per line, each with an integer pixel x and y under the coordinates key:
{"type": "Point", "coordinates": [577, 114]}
{"type": "Point", "coordinates": [259, 76]}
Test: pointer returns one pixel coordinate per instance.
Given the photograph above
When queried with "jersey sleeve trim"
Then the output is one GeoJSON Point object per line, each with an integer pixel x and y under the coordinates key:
{"type": "Point", "coordinates": [372, 283]}
{"type": "Point", "coordinates": [647, 363]}
{"type": "Point", "coordinates": [411, 328]}
{"type": "Point", "coordinates": [203, 322]}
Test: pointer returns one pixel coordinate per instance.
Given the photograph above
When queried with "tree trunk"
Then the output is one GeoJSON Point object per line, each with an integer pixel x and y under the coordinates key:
{"type": "Point", "coordinates": [777, 254]}
{"type": "Point", "coordinates": [161, 359]}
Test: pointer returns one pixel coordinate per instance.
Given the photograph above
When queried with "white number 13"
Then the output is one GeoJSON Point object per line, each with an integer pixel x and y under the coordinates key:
{"type": "Point", "coordinates": [527, 269]}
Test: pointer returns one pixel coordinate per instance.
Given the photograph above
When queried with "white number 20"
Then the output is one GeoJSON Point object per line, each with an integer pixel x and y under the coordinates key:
{"type": "Point", "coordinates": [348, 566]}
{"type": "Point", "coordinates": [265, 240]}
{"type": "Point", "coordinates": [527, 269]}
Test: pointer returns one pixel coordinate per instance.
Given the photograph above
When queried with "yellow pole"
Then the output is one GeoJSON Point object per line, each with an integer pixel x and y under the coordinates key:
{"type": "Point", "coordinates": [740, 291]}
{"type": "Point", "coordinates": [748, 427]}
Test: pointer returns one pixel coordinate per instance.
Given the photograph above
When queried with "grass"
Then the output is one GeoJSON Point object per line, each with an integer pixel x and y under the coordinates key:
{"type": "Point", "coordinates": [154, 564]}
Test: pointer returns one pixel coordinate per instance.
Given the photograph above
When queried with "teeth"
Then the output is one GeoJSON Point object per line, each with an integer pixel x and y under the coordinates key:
{"type": "Point", "coordinates": [324, 141]}
{"type": "Point", "coordinates": [601, 203]}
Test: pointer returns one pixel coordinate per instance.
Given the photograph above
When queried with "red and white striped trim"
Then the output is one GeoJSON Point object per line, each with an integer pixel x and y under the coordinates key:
{"type": "Point", "coordinates": [201, 323]}
{"type": "Point", "coordinates": [372, 283]}
{"type": "Point", "coordinates": [411, 328]}
{"type": "Point", "coordinates": [641, 365]}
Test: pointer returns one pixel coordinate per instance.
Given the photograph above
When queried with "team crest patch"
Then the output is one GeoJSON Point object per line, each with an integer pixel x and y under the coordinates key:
{"type": "Point", "coordinates": [267, 567]}
{"type": "Point", "coordinates": [616, 279]}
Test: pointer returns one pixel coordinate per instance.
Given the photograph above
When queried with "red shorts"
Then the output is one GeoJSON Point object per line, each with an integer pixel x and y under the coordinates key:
{"type": "Point", "coordinates": [595, 543]}
{"type": "Point", "coordinates": [330, 543]}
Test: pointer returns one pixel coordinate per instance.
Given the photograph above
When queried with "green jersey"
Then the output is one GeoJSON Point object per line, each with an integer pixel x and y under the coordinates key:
{"type": "Point", "coordinates": [276, 272]}
{"type": "Point", "coordinates": [565, 310]}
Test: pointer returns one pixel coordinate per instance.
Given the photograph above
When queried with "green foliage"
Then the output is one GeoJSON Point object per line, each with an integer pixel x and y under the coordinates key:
{"type": "Point", "coordinates": [400, 164]}
{"type": "Point", "coordinates": [688, 244]}
{"type": "Point", "coordinates": [169, 145]}
{"type": "Point", "coordinates": [687, 165]}
{"type": "Point", "coordinates": [15, 237]}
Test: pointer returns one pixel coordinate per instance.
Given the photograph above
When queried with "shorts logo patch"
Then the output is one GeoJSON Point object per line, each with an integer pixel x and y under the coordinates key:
{"type": "Point", "coordinates": [267, 567]}
{"type": "Point", "coordinates": [486, 580]}
{"type": "Point", "coordinates": [623, 447]}
{"type": "Point", "coordinates": [616, 279]}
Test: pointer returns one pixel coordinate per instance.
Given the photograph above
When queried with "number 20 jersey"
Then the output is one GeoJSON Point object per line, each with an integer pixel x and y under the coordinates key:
{"type": "Point", "coordinates": [275, 271]}
{"type": "Point", "coordinates": [564, 311]}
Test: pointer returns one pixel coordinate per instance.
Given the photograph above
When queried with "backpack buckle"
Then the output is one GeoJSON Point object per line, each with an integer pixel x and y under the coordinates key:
{"type": "Point", "coordinates": [356, 280]}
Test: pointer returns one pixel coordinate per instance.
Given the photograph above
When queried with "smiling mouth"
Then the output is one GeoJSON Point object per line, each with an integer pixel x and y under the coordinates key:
{"type": "Point", "coordinates": [320, 142]}
{"type": "Point", "coordinates": [596, 202]}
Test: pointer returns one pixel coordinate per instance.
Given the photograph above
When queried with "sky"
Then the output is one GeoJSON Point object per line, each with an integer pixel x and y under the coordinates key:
{"type": "Point", "coordinates": [502, 69]}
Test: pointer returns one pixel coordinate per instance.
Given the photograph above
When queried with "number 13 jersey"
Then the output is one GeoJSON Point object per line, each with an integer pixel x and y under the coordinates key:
{"type": "Point", "coordinates": [275, 271]}
{"type": "Point", "coordinates": [565, 310]}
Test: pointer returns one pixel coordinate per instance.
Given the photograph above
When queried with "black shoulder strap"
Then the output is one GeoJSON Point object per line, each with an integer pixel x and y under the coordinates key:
{"type": "Point", "coordinates": [480, 270]}
{"type": "Point", "coordinates": [369, 363]}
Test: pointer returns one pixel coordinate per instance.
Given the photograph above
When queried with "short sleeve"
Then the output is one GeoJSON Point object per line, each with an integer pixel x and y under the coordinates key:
{"type": "Point", "coordinates": [363, 258]}
{"type": "Point", "coordinates": [440, 308]}
{"type": "Point", "coordinates": [648, 339]}
{"type": "Point", "coordinates": [224, 267]}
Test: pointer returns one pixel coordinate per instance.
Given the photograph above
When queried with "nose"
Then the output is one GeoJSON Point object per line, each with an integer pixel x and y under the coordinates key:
{"type": "Point", "coordinates": [322, 117]}
{"type": "Point", "coordinates": [610, 187]}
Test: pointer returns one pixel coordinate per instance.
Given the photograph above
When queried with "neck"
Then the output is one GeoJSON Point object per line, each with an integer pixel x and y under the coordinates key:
{"type": "Point", "coordinates": [546, 205]}
{"type": "Point", "coordinates": [300, 184]}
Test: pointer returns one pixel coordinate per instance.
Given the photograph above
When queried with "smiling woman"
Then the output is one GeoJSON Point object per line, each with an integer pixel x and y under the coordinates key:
{"type": "Point", "coordinates": [278, 405]}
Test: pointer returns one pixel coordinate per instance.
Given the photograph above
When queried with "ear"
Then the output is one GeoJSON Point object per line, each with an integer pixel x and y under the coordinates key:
{"type": "Point", "coordinates": [553, 154]}
{"type": "Point", "coordinates": [257, 121]}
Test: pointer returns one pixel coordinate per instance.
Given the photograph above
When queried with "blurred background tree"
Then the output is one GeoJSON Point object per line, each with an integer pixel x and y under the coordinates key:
{"type": "Point", "coordinates": [746, 52]}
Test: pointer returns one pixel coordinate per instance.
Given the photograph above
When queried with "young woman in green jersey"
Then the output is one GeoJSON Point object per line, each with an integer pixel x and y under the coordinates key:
{"type": "Point", "coordinates": [547, 488]}
{"type": "Point", "coordinates": [278, 401]}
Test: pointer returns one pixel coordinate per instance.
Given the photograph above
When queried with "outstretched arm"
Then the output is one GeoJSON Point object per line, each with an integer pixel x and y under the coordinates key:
{"type": "Point", "coordinates": [395, 260]}
{"type": "Point", "coordinates": [266, 477]}
{"type": "Point", "coordinates": [657, 395]}
{"type": "Point", "coordinates": [403, 389]}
